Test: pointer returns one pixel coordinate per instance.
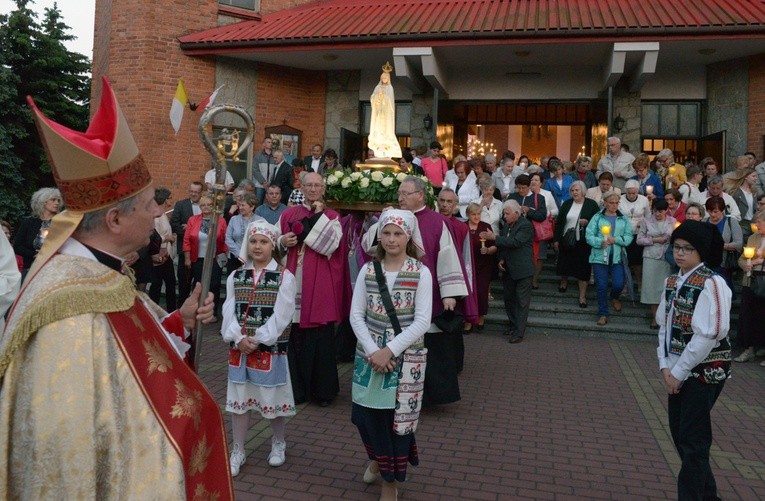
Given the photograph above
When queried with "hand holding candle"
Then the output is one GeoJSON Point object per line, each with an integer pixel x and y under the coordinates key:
{"type": "Point", "coordinates": [754, 227]}
{"type": "Point", "coordinates": [606, 230]}
{"type": "Point", "coordinates": [749, 254]}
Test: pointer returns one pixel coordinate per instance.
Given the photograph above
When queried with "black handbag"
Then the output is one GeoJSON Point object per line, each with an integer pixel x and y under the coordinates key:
{"type": "Point", "coordinates": [757, 285]}
{"type": "Point", "coordinates": [570, 238]}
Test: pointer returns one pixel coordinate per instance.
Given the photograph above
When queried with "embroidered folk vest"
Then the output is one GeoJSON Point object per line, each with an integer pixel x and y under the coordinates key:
{"type": "Point", "coordinates": [254, 300]}
{"type": "Point", "coordinates": [373, 389]}
{"type": "Point", "coordinates": [715, 368]}
{"type": "Point", "coordinates": [254, 303]}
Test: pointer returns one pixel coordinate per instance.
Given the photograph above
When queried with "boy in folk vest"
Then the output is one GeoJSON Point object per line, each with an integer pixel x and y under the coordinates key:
{"type": "Point", "coordinates": [694, 351]}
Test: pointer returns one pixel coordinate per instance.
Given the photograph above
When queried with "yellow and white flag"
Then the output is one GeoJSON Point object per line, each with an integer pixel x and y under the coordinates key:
{"type": "Point", "coordinates": [179, 104]}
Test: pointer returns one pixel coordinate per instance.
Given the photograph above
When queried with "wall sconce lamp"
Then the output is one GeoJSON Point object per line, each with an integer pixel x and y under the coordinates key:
{"type": "Point", "coordinates": [427, 122]}
{"type": "Point", "coordinates": [618, 123]}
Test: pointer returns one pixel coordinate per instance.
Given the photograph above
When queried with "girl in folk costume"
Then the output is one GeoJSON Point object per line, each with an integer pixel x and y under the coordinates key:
{"type": "Point", "coordinates": [390, 313]}
{"type": "Point", "coordinates": [257, 315]}
{"type": "Point", "coordinates": [694, 351]}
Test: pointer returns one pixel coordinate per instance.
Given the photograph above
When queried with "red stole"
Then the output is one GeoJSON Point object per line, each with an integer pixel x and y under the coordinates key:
{"type": "Point", "coordinates": [188, 413]}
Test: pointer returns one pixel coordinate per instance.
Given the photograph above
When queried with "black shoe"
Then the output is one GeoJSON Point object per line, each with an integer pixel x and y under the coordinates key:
{"type": "Point", "coordinates": [583, 304]}
{"type": "Point", "coordinates": [515, 339]}
{"type": "Point", "coordinates": [562, 288]}
{"type": "Point", "coordinates": [508, 332]}
{"type": "Point", "coordinates": [478, 328]}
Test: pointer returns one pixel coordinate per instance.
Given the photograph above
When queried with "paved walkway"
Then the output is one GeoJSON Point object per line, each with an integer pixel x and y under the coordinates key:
{"type": "Point", "coordinates": [555, 417]}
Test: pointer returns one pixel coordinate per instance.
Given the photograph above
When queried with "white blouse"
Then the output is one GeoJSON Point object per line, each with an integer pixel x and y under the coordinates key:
{"type": "Point", "coordinates": [423, 303]}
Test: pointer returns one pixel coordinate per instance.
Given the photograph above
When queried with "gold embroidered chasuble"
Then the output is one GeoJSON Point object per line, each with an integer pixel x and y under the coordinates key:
{"type": "Point", "coordinates": [94, 401]}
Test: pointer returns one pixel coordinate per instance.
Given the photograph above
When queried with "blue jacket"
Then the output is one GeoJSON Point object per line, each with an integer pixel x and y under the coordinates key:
{"type": "Point", "coordinates": [560, 194]}
{"type": "Point", "coordinates": [651, 180]}
{"type": "Point", "coordinates": [622, 235]}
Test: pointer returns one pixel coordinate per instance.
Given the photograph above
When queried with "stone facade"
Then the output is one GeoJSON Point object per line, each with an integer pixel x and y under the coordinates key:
{"type": "Point", "coordinates": [342, 108]}
{"type": "Point", "coordinates": [727, 104]}
{"type": "Point", "coordinates": [422, 105]}
{"type": "Point", "coordinates": [756, 117]}
{"type": "Point", "coordinates": [627, 104]}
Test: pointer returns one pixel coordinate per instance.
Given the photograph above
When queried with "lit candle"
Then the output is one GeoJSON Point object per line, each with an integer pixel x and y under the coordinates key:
{"type": "Point", "coordinates": [483, 243]}
{"type": "Point", "coordinates": [648, 189]}
{"type": "Point", "coordinates": [754, 228]}
{"type": "Point", "coordinates": [749, 254]}
{"type": "Point", "coordinates": [606, 230]}
{"type": "Point", "coordinates": [677, 223]}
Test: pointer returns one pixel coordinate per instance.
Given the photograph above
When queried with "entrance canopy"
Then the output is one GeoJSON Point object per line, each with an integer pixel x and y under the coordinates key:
{"type": "Point", "coordinates": [503, 43]}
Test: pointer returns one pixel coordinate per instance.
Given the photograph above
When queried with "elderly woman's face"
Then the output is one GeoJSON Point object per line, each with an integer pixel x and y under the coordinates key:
{"type": "Point", "coordinates": [205, 206]}
{"type": "Point", "coordinates": [474, 216]}
{"type": "Point", "coordinates": [461, 173]}
{"type": "Point", "coordinates": [535, 183]}
{"type": "Point", "coordinates": [576, 192]}
{"type": "Point", "coordinates": [487, 190]}
{"type": "Point", "coordinates": [632, 194]}
{"type": "Point", "coordinates": [693, 214]}
{"type": "Point", "coordinates": [583, 166]}
{"type": "Point", "coordinates": [671, 201]}
{"type": "Point", "coordinates": [52, 205]}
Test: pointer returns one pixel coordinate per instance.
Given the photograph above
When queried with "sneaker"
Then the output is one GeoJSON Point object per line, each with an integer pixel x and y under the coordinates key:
{"type": "Point", "coordinates": [276, 458]}
{"type": "Point", "coordinates": [237, 460]}
{"type": "Point", "coordinates": [746, 356]}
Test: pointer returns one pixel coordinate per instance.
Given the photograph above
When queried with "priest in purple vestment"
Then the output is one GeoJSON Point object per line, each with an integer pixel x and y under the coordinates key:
{"type": "Point", "coordinates": [316, 255]}
{"type": "Point", "coordinates": [437, 239]}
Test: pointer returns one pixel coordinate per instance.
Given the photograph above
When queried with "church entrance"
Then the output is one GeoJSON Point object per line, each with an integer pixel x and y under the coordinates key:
{"type": "Point", "coordinates": [566, 129]}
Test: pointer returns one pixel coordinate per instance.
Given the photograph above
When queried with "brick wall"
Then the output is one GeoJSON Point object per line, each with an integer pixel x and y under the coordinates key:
{"type": "Point", "coordinates": [136, 47]}
{"type": "Point", "coordinates": [294, 95]}
{"type": "Point", "coordinates": [756, 119]}
{"type": "Point", "coordinates": [269, 6]}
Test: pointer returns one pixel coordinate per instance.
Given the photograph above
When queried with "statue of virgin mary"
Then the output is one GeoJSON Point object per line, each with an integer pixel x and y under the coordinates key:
{"type": "Point", "coordinates": [382, 126]}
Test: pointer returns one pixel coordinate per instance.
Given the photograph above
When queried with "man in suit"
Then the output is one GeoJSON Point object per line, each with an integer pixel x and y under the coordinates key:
{"type": "Point", "coordinates": [282, 176]}
{"type": "Point", "coordinates": [182, 211]}
{"type": "Point", "coordinates": [314, 160]}
{"type": "Point", "coordinates": [516, 261]}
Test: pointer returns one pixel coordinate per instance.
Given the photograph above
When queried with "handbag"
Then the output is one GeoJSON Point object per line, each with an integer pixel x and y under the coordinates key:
{"type": "Point", "coordinates": [757, 285]}
{"type": "Point", "coordinates": [730, 258]}
{"type": "Point", "coordinates": [412, 364]}
{"type": "Point", "coordinates": [543, 230]}
{"type": "Point", "coordinates": [570, 238]}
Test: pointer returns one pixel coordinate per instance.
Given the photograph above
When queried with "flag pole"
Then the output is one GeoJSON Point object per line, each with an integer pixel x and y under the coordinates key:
{"type": "Point", "coordinates": [222, 148]}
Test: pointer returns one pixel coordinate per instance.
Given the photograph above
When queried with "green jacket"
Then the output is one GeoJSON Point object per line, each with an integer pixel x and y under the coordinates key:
{"type": "Point", "coordinates": [622, 235]}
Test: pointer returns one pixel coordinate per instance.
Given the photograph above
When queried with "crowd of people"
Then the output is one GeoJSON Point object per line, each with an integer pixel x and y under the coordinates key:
{"type": "Point", "coordinates": [307, 287]}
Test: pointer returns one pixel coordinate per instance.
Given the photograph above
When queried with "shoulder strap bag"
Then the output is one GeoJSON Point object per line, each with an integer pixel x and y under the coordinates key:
{"type": "Point", "coordinates": [412, 363]}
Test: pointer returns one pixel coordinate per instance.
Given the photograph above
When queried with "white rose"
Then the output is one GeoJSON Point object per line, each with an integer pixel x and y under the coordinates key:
{"type": "Point", "coordinates": [377, 176]}
{"type": "Point", "coordinates": [400, 177]}
{"type": "Point", "coordinates": [364, 183]}
{"type": "Point", "coordinates": [346, 182]}
{"type": "Point", "coordinates": [331, 181]}
{"type": "Point", "coordinates": [387, 181]}
{"type": "Point", "coordinates": [338, 174]}
{"type": "Point", "coordinates": [355, 176]}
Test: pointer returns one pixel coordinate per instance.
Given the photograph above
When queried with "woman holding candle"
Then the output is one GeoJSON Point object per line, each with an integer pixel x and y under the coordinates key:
{"type": "Point", "coordinates": [484, 260]}
{"type": "Point", "coordinates": [752, 310]}
{"type": "Point", "coordinates": [46, 202]}
{"type": "Point", "coordinates": [653, 236]}
{"type": "Point", "coordinates": [608, 233]}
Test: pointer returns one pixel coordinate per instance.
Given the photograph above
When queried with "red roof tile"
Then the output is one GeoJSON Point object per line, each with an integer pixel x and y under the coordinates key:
{"type": "Point", "coordinates": [392, 21]}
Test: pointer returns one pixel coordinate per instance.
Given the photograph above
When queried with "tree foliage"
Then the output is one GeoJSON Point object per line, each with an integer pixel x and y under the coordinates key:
{"type": "Point", "coordinates": [34, 62]}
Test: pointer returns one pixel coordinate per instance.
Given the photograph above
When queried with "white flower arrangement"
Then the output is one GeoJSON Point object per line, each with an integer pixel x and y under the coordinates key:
{"type": "Point", "coordinates": [376, 186]}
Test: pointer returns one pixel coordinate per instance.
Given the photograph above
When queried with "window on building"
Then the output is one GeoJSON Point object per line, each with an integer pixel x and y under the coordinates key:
{"type": "Point", "coordinates": [242, 4]}
{"type": "Point", "coordinates": [673, 125]}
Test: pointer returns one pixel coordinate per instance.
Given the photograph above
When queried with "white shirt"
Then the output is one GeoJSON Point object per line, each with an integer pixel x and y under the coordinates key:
{"type": "Point", "coordinates": [315, 163]}
{"type": "Point", "coordinates": [710, 322]}
{"type": "Point", "coordinates": [210, 178]}
{"type": "Point", "coordinates": [423, 304]}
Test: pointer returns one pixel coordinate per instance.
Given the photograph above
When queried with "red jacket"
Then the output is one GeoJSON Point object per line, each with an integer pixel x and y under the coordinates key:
{"type": "Point", "coordinates": [191, 237]}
